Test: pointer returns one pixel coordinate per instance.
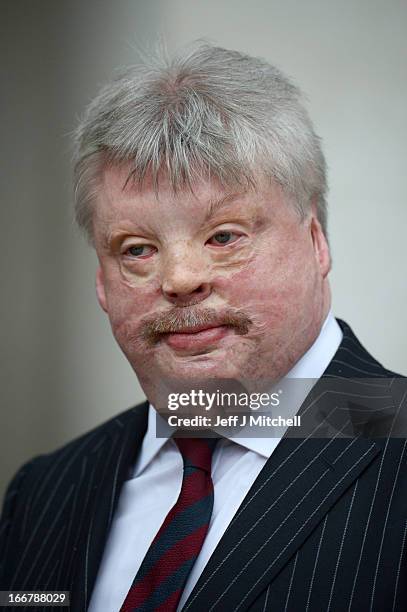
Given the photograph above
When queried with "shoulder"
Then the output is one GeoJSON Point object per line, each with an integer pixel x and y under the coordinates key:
{"type": "Point", "coordinates": [34, 474]}
{"type": "Point", "coordinates": [87, 442]}
{"type": "Point", "coordinates": [352, 359]}
{"type": "Point", "coordinates": [45, 490]}
{"type": "Point", "coordinates": [376, 396]}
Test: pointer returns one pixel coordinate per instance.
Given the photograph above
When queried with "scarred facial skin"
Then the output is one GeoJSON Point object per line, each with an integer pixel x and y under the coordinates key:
{"type": "Point", "coordinates": [209, 284]}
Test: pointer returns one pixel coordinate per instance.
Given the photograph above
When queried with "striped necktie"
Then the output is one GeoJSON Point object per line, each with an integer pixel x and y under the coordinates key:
{"type": "Point", "coordinates": [163, 573]}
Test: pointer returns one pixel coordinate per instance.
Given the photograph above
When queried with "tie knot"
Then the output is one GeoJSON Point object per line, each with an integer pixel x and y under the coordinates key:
{"type": "Point", "coordinates": [197, 452]}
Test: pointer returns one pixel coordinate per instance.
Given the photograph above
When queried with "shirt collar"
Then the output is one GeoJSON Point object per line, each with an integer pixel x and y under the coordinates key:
{"type": "Point", "coordinates": [310, 366]}
{"type": "Point", "coordinates": [151, 444]}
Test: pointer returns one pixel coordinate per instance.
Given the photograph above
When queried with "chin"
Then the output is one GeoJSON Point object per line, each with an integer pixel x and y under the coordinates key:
{"type": "Point", "coordinates": [214, 364]}
{"type": "Point", "coordinates": [198, 366]}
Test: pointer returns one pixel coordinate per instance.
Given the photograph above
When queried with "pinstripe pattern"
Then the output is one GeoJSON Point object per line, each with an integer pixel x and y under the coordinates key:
{"type": "Point", "coordinates": [266, 599]}
{"type": "Point", "coordinates": [303, 525]}
{"type": "Point", "coordinates": [323, 527]}
{"type": "Point", "coordinates": [62, 530]}
{"type": "Point", "coordinates": [291, 582]}
{"type": "Point", "coordinates": [316, 563]}
{"type": "Point", "coordinates": [74, 513]}
{"type": "Point", "coordinates": [396, 590]}
{"type": "Point", "coordinates": [341, 547]}
{"type": "Point", "coordinates": [385, 525]}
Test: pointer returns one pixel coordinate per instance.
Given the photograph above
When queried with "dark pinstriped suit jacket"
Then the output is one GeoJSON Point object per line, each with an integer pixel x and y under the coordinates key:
{"type": "Point", "coordinates": [322, 528]}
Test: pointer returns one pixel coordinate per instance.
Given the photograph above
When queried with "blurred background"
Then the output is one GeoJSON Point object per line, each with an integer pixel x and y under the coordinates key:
{"type": "Point", "coordinates": [61, 371]}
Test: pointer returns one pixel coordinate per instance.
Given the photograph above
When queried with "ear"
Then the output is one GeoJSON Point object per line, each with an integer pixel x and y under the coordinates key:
{"type": "Point", "coordinates": [100, 289]}
{"type": "Point", "coordinates": [320, 243]}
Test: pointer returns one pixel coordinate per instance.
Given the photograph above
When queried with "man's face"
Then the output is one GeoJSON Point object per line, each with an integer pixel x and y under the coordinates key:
{"type": "Point", "coordinates": [208, 284]}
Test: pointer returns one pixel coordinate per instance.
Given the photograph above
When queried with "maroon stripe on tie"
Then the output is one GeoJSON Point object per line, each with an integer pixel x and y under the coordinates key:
{"type": "Point", "coordinates": [199, 455]}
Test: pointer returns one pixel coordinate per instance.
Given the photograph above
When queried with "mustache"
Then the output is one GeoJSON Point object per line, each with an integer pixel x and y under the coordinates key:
{"type": "Point", "coordinates": [188, 319]}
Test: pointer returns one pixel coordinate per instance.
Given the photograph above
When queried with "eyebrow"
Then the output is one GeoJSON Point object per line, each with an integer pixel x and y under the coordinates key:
{"type": "Point", "coordinates": [218, 204]}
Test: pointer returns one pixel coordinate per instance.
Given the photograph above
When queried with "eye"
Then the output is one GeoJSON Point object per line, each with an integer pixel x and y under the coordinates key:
{"type": "Point", "coordinates": [140, 251]}
{"type": "Point", "coordinates": [223, 238]}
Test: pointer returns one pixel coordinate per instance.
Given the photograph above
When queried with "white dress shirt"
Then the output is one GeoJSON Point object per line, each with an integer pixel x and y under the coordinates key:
{"type": "Point", "coordinates": [147, 497]}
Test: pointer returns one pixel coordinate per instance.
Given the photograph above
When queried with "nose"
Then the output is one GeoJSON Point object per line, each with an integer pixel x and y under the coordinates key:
{"type": "Point", "coordinates": [185, 278]}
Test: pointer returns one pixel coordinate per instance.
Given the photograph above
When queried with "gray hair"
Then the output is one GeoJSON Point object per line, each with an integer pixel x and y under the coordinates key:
{"type": "Point", "coordinates": [208, 112]}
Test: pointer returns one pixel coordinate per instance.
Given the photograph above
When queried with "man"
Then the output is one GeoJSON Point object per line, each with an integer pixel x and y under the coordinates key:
{"type": "Point", "coordinates": [201, 184]}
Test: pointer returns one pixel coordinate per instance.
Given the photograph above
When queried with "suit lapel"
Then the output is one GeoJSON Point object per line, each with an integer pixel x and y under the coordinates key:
{"type": "Point", "coordinates": [298, 485]}
{"type": "Point", "coordinates": [107, 470]}
{"type": "Point", "coordinates": [296, 488]}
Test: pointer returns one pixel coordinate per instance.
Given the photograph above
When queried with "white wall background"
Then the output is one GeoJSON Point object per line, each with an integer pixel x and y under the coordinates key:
{"type": "Point", "coordinates": [61, 371]}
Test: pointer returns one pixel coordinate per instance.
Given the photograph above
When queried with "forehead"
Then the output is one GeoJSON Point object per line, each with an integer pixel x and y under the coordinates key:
{"type": "Point", "coordinates": [117, 187]}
